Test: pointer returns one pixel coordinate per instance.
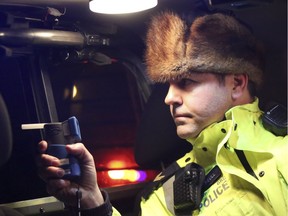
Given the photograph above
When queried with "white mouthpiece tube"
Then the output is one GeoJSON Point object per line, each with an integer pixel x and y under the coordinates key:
{"type": "Point", "coordinates": [32, 126]}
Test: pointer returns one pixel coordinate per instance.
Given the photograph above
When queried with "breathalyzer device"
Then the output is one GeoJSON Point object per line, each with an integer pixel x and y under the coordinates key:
{"type": "Point", "coordinates": [57, 135]}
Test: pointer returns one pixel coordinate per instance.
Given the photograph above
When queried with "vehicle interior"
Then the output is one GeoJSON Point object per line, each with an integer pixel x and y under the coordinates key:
{"type": "Point", "coordinates": [60, 59]}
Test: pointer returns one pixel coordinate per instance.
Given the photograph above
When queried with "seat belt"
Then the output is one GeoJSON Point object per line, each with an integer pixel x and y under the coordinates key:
{"type": "Point", "coordinates": [160, 179]}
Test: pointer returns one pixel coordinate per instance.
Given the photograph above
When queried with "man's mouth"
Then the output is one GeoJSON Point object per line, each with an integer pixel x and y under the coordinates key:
{"type": "Point", "coordinates": [181, 115]}
{"type": "Point", "coordinates": [180, 118]}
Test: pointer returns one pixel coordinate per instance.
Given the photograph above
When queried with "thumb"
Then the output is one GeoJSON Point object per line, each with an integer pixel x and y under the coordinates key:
{"type": "Point", "coordinates": [80, 151]}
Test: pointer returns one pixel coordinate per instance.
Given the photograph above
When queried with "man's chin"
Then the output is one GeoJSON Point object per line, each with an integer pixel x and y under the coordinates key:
{"type": "Point", "coordinates": [186, 135]}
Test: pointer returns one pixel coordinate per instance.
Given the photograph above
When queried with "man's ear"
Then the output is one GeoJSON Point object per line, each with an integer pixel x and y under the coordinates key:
{"type": "Point", "coordinates": [240, 85]}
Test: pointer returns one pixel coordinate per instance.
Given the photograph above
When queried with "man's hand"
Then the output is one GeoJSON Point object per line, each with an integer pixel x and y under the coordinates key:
{"type": "Point", "coordinates": [65, 190]}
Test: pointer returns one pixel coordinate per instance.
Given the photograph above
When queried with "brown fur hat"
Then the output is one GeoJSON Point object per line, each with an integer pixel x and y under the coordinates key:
{"type": "Point", "coordinates": [214, 43]}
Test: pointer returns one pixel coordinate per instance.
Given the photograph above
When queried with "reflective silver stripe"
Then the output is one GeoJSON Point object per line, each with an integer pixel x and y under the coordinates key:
{"type": "Point", "coordinates": [168, 194]}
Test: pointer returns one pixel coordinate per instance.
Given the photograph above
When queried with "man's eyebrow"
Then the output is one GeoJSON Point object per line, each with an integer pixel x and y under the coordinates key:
{"type": "Point", "coordinates": [192, 74]}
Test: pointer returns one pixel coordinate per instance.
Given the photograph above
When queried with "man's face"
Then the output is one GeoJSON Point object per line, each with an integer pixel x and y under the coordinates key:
{"type": "Point", "coordinates": [198, 101]}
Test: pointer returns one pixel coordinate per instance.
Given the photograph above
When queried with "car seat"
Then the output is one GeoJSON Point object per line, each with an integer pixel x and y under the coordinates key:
{"type": "Point", "coordinates": [5, 148]}
{"type": "Point", "coordinates": [5, 133]}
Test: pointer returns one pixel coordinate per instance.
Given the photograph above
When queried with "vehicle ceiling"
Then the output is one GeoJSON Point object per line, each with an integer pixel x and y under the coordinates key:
{"type": "Point", "coordinates": [268, 19]}
{"type": "Point", "coordinates": [77, 11]}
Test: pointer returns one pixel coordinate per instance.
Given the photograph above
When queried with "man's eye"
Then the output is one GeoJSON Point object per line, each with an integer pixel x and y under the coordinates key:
{"type": "Point", "coordinates": [186, 82]}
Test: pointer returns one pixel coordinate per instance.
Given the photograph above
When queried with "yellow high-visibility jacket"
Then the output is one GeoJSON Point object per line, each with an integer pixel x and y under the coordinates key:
{"type": "Point", "coordinates": [236, 192]}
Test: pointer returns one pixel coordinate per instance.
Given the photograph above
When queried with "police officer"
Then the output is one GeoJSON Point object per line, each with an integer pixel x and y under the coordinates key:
{"type": "Point", "coordinates": [214, 68]}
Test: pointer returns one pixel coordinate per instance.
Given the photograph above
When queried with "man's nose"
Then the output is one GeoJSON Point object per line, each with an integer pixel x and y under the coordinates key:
{"type": "Point", "coordinates": [173, 95]}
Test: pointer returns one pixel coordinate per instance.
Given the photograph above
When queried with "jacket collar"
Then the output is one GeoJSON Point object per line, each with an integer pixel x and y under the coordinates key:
{"type": "Point", "coordinates": [209, 142]}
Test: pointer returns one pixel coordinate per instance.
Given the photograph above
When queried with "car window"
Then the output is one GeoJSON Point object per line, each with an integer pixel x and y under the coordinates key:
{"type": "Point", "coordinates": [108, 102]}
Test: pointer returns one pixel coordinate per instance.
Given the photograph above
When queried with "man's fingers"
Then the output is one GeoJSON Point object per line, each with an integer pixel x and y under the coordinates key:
{"type": "Point", "coordinates": [47, 160]}
{"type": "Point", "coordinates": [42, 146]}
{"type": "Point", "coordinates": [56, 185]}
{"type": "Point", "coordinates": [50, 172]}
